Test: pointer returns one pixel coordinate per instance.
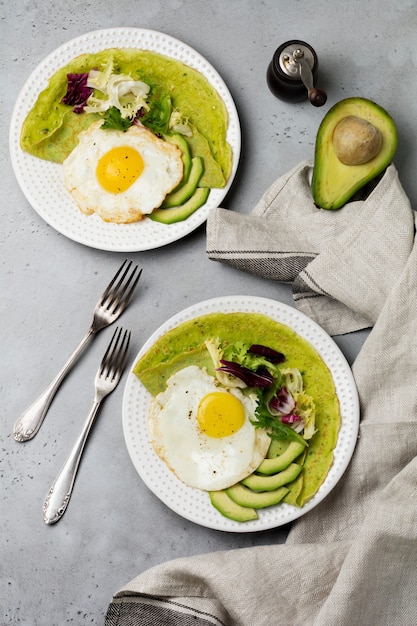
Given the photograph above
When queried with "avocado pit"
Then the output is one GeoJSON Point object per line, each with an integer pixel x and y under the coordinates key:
{"type": "Point", "coordinates": [356, 141]}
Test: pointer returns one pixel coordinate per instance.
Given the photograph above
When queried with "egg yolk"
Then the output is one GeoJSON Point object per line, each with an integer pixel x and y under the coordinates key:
{"type": "Point", "coordinates": [220, 414]}
{"type": "Point", "coordinates": [118, 169]}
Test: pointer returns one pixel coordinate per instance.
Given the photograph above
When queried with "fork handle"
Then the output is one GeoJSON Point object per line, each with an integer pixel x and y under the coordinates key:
{"type": "Point", "coordinates": [30, 421]}
{"type": "Point", "coordinates": [59, 495]}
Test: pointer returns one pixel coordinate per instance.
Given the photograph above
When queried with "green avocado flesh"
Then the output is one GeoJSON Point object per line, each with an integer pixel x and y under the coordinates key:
{"type": "Point", "coordinates": [269, 483]}
{"type": "Point", "coordinates": [188, 197]}
{"type": "Point", "coordinates": [281, 462]}
{"type": "Point", "coordinates": [182, 144]}
{"type": "Point", "coordinates": [248, 498]}
{"type": "Point", "coordinates": [231, 509]}
{"type": "Point", "coordinates": [183, 211]}
{"type": "Point", "coordinates": [334, 182]}
{"type": "Point", "coordinates": [184, 345]}
{"type": "Point", "coordinates": [184, 193]}
{"type": "Point", "coordinates": [284, 486]}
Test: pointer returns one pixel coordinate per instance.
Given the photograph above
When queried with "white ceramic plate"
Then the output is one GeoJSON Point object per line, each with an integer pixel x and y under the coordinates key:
{"type": "Point", "coordinates": [194, 504]}
{"type": "Point", "coordinates": [42, 182]}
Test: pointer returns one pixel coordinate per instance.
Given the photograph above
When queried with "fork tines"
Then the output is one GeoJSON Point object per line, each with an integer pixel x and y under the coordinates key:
{"type": "Point", "coordinates": [115, 356]}
{"type": "Point", "coordinates": [119, 294]}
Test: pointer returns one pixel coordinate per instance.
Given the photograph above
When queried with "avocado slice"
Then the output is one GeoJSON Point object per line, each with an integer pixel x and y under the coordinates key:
{"type": "Point", "coordinates": [282, 461]}
{"type": "Point", "coordinates": [277, 447]}
{"type": "Point", "coordinates": [182, 144]}
{"type": "Point", "coordinates": [229, 508]}
{"type": "Point", "coordinates": [270, 483]}
{"type": "Point", "coordinates": [175, 198]}
{"type": "Point", "coordinates": [180, 213]}
{"type": "Point", "coordinates": [356, 141]}
{"type": "Point", "coordinates": [258, 500]}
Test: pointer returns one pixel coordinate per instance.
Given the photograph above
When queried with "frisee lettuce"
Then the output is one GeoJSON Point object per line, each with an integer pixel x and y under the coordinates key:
{"type": "Point", "coordinates": [116, 90]}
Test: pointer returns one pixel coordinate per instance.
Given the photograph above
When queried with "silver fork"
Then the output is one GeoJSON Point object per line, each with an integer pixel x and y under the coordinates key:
{"type": "Point", "coordinates": [106, 380]}
{"type": "Point", "coordinates": [109, 307]}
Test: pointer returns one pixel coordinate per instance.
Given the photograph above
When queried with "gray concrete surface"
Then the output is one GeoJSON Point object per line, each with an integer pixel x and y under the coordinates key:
{"type": "Point", "coordinates": [115, 527]}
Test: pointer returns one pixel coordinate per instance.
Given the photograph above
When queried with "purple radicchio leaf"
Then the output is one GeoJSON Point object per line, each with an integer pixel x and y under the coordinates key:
{"type": "Point", "coordinates": [77, 92]}
{"type": "Point", "coordinates": [291, 418]}
{"type": "Point", "coordinates": [270, 355]}
{"type": "Point", "coordinates": [260, 378]}
{"type": "Point", "coordinates": [282, 403]}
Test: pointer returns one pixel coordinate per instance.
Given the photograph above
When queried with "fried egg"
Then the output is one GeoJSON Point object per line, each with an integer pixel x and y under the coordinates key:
{"type": "Point", "coordinates": [121, 175]}
{"type": "Point", "coordinates": [203, 431]}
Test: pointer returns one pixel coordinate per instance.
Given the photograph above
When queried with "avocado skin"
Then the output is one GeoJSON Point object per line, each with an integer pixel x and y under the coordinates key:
{"type": "Point", "coordinates": [228, 508]}
{"type": "Point", "coordinates": [180, 213]}
{"type": "Point", "coordinates": [334, 183]}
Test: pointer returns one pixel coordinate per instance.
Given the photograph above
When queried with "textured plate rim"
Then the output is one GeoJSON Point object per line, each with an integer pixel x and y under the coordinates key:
{"type": "Point", "coordinates": [177, 496]}
{"type": "Point", "coordinates": [90, 230]}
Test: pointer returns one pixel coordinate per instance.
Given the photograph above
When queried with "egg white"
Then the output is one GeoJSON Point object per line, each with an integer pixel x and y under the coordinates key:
{"type": "Point", "coordinates": [163, 170]}
{"type": "Point", "coordinates": [201, 461]}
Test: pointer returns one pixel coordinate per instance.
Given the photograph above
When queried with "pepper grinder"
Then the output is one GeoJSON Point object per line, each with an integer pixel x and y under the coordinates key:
{"type": "Point", "coordinates": [292, 73]}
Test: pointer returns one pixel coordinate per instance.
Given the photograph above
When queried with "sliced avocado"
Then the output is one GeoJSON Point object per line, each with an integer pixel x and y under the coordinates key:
{"type": "Point", "coordinates": [277, 447]}
{"type": "Point", "coordinates": [180, 213]}
{"type": "Point", "coordinates": [356, 141]}
{"type": "Point", "coordinates": [281, 462]}
{"type": "Point", "coordinates": [175, 198]}
{"type": "Point", "coordinates": [227, 507]}
{"type": "Point", "coordinates": [269, 483]}
{"type": "Point", "coordinates": [257, 500]}
{"type": "Point", "coordinates": [181, 142]}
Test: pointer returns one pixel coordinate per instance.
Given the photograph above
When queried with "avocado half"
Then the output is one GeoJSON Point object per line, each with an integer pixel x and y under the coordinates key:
{"type": "Point", "coordinates": [335, 182]}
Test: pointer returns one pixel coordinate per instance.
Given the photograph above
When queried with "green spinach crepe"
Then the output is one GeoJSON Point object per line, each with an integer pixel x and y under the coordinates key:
{"type": "Point", "coordinates": [185, 345]}
{"type": "Point", "coordinates": [50, 130]}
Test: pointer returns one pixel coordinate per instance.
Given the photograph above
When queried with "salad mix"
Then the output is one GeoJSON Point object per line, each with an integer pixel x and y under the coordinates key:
{"type": "Point", "coordinates": [123, 101]}
{"type": "Point", "coordinates": [284, 409]}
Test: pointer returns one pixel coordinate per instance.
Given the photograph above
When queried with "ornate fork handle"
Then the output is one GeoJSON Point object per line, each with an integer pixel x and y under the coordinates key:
{"type": "Point", "coordinates": [106, 380]}
{"type": "Point", "coordinates": [60, 492]}
{"type": "Point", "coordinates": [30, 421]}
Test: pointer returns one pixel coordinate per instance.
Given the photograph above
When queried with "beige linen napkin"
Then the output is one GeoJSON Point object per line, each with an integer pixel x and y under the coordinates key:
{"type": "Point", "coordinates": [342, 264]}
{"type": "Point", "coordinates": [353, 559]}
